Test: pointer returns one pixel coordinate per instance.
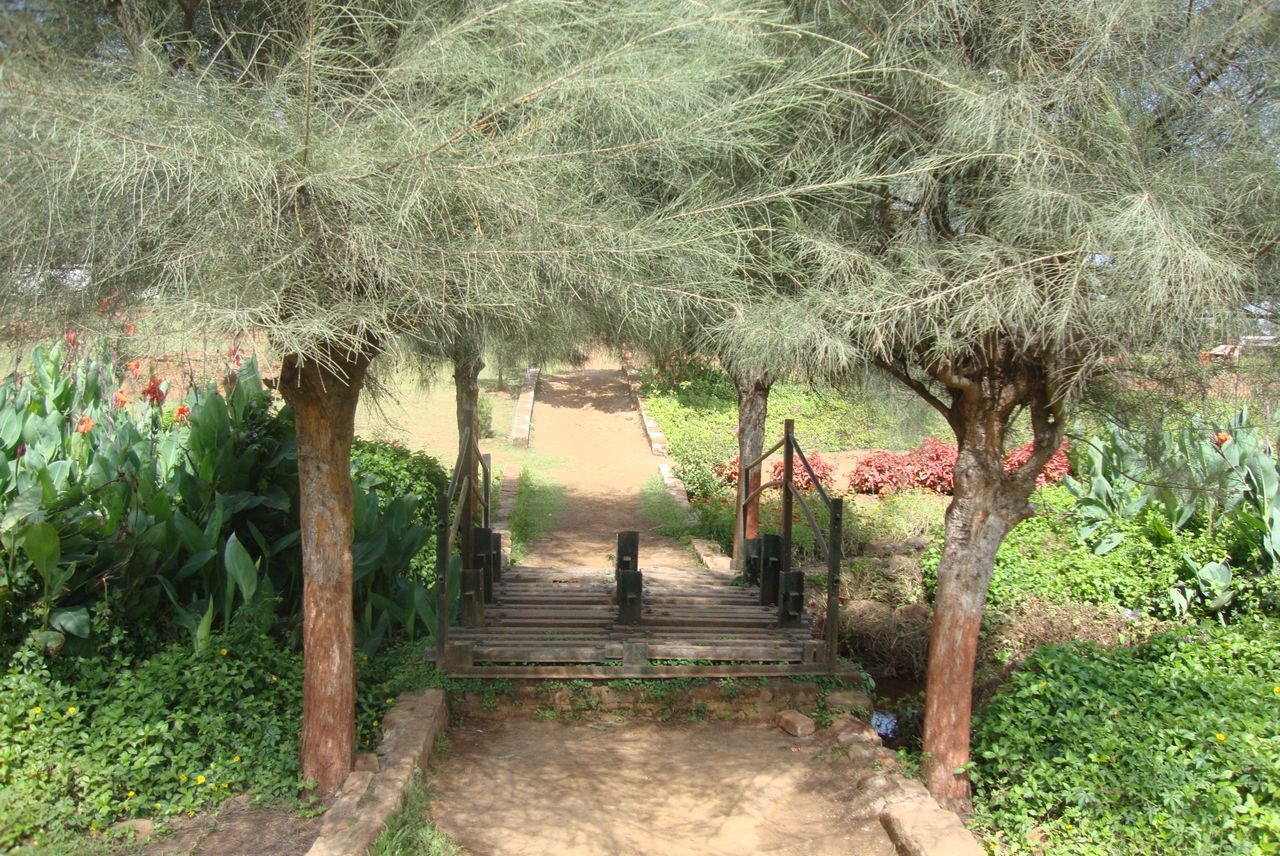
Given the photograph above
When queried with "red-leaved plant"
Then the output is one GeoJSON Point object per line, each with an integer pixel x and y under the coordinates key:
{"type": "Point", "coordinates": [729, 471]}
{"type": "Point", "coordinates": [931, 466]}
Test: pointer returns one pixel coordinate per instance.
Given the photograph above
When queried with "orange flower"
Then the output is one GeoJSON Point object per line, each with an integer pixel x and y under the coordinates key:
{"type": "Point", "coordinates": [85, 426]}
{"type": "Point", "coordinates": [120, 399]}
{"type": "Point", "coordinates": [134, 367]}
{"type": "Point", "coordinates": [1222, 437]}
{"type": "Point", "coordinates": [70, 337]}
{"type": "Point", "coordinates": [182, 414]}
{"type": "Point", "coordinates": [152, 393]}
{"type": "Point", "coordinates": [129, 329]}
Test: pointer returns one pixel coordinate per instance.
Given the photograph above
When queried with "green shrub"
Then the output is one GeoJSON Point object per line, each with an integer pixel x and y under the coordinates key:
{"type": "Point", "coordinates": [1043, 557]}
{"type": "Point", "coordinates": [86, 740]}
{"type": "Point", "coordinates": [1170, 747]}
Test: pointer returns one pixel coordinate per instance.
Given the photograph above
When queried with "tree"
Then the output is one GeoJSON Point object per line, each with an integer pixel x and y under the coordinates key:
{"type": "Point", "coordinates": [372, 171]}
{"type": "Point", "coordinates": [1045, 185]}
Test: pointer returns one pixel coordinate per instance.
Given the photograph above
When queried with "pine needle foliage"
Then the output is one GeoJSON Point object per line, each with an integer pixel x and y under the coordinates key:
{"type": "Point", "coordinates": [374, 168]}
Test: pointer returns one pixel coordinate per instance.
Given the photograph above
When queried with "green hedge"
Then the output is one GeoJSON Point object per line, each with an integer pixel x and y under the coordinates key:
{"type": "Point", "coordinates": [1170, 747]}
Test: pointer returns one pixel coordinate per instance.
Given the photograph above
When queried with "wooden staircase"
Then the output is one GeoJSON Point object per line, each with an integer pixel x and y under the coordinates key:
{"type": "Point", "coordinates": [546, 622]}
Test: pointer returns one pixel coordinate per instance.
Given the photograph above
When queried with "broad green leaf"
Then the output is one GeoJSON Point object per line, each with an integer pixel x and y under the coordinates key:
{"type": "Point", "coordinates": [73, 621]}
{"type": "Point", "coordinates": [43, 547]}
{"type": "Point", "coordinates": [241, 567]}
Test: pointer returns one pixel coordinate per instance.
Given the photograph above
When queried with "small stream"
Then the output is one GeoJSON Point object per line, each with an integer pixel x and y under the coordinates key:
{"type": "Point", "coordinates": [899, 704]}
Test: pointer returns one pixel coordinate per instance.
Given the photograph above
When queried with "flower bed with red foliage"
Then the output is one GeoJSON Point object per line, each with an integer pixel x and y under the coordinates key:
{"type": "Point", "coordinates": [931, 466]}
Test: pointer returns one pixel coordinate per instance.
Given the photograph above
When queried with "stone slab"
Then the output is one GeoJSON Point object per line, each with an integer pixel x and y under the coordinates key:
{"type": "Point", "coordinates": [368, 799]}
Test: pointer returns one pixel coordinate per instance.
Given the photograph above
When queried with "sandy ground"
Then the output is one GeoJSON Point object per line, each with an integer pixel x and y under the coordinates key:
{"type": "Point", "coordinates": [647, 788]}
{"type": "Point", "coordinates": [585, 419]}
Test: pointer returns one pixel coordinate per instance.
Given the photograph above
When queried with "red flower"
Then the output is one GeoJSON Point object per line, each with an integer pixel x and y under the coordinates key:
{"type": "Point", "coordinates": [69, 337]}
{"type": "Point", "coordinates": [134, 367]}
{"type": "Point", "coordinates": [129, 329]}
{"type": "Point", "coordinates": [182, 414]}
{"type": "Point", "coordinates": [120, 399]}
{"type": "Point", "coordinates": [85, 425]}
{"type": "Point", "coordinates": [152, 393]}
{"type": "Point", "coordinates": [1221, 438]}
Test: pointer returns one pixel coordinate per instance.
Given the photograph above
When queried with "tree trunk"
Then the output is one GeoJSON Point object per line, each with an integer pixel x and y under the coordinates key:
{"type": "Point", "coordinates": [974, 531]}
{"type": "Point", "coordinates": [323, 394]}
{"type": "Point", "coordinates": [753, 408]}
{"type": "Point", "coordinates": [467, 364]}
{"type": "Point", "coordinates": [986, 504]}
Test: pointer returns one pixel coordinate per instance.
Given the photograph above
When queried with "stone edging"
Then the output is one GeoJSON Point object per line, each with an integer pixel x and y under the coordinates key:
{"type": "Point", "coordinates": [501, 520]}
{"type": "Point", "coordinates": [375, 789]}
{"type": "Point", "coordinates": [652, 432]}
{"type": "Point", "coordinates": [522, 421]}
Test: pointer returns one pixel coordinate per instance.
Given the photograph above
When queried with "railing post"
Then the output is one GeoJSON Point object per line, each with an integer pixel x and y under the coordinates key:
{"type": "Point", "coordinates": [482, 561]}
{"type": "Point", "coordinates": [788, 471]}
{"type": "Point", "coordinates": [835, 559]}
{"type": "Point", "coordinates": [772, 548]}
{"type": "Point", "coordinates": [628, 578]}
{"type": "Point", "coordinates": [468, 511]}
{"type": "Point", "coordinates": [442, 574]}
{"type": "Point", "coordinates": [486, 472]}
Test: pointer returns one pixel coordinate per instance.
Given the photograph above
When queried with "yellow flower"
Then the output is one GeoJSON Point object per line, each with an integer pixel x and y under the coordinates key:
{"type": "Point", "coordinates": [235, 759]}
{"type": "Point", "coordinates": [157, 806]}
{"type": "Point", "coordinates": [36, 710]}
{"type": "Point", "coordinates": [1044, 684]}
{"type": "Point", "coordinates": [131, 795]}
{"type": "Point", "coordinates": [1069, 826]}
{"type": "Point", "coordinates": [274, 679]}
{"type": "Point", "coordinates": [1220, 736]}
{"type": "Point", "coordinates": [391, 700]}
{"type": "Point", "coordinates": [375, 723]}
{"type": "Point", "coordinates": [222, 651]}
{"type": "Point", "coordinates": [1276, 690]}
{"type": "Point", "coordinates": [182, 778]}
{"type": "Point", "coordinates": [199, 780]}
{"type": "Point", "coordinates": [71, 710]}
{"type": "Point", "coordinates": [226, 785]}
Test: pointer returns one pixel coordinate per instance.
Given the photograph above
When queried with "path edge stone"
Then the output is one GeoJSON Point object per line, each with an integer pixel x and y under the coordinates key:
{"type": "Point", "coordinates": [919, 826]}
{"type": "Point", "coordinates": [522, 419]}
{"type": "Point", "coordinates": [369, 798]}
{"type": "Point", "coordinates": [652, 431]}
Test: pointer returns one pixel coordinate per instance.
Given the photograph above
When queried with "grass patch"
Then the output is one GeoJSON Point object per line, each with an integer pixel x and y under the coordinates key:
{"type": "Point", "coordinates": [662, 510]}
{"type": "Point", "coordinates": [410, 832]}
{"type": "Point", "coordinates": [538, 505]}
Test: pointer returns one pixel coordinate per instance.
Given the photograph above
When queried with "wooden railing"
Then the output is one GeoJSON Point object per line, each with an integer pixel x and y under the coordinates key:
{"type": "Point", "coordinates": [768, 563]}
{"type": "Point", "coordinates": [464, 499]}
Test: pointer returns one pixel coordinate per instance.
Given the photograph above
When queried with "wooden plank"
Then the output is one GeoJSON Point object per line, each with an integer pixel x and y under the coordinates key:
{"type": "Point", "coordinates": [616, 672]}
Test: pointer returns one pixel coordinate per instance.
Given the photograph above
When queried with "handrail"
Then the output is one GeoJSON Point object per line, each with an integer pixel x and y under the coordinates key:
{"type": "Point", "coordinates": [808, 515]}
{"type": "Point", "coordinates": [812, 476]}
{"type": "Point", "coordinates": [830, 545]}
{"type": "Point", "coordinates": [760, 460]}
{"type": "Point", "coordinates": [463, 497]}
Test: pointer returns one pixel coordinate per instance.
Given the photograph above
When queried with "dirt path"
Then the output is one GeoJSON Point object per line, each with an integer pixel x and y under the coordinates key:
{"type": "Point", "coordinates": [647, 788]}
{"type": "Point", "coordinates": [586, 419]}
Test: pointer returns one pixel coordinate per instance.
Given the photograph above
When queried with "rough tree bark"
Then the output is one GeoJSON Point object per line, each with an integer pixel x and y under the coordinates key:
{"type": "Point", "coordinates": [986, 504]}
{"type": "Point", "coordinates": [467, 364]}
{"type": "Point", "coordinates": [753, 408]}
{"type": "Point", "coordinates": [323, 393]}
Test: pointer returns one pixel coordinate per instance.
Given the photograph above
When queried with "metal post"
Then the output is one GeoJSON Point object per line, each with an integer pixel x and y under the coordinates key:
{"type": "Point", "coordinates": [835, 559]}
{"type": "Point", "coordinates": [788, 470]}
{"type": "Point", "coordinates": [442, 574]}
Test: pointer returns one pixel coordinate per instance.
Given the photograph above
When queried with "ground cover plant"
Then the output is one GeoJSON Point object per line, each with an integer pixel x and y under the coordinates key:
{"type": "Point", "coordinates": [1168, 747]}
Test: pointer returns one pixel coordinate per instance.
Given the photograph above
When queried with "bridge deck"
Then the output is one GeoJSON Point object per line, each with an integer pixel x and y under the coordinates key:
{"type": "Point", "coordinates": [546, 622]}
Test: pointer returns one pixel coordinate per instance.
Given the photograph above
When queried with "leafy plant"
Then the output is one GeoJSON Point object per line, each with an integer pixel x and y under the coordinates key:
{"type": "Point", "coordinates": [931, 466]}
{"type": "Point", "coordinates": [1165, 748]}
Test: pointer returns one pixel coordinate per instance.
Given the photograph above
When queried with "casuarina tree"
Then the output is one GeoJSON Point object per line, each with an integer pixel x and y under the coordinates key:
{"type": "Point", "coordinates": [343, 174]}
{"type": "Point", "coordinates": [1032, 189]}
